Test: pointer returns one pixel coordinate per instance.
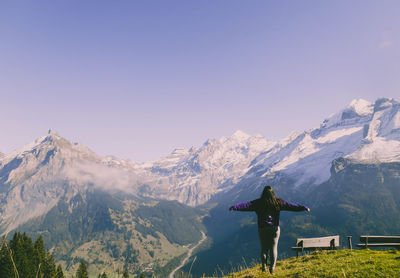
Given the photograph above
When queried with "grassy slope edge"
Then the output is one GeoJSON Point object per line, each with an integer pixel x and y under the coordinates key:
{"type": "Point", "coordinates": [342, 263]}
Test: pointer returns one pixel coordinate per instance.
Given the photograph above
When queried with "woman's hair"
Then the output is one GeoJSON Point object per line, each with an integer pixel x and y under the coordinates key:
{"type": "Point", "coordinates": [269, 197]}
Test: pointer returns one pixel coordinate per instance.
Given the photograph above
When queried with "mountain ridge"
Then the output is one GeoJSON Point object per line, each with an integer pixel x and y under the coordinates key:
{"type": "Point", "coordinates": [51, 179]}
{"type": "Point", "coordinates": [34, 177]}
{"type": "Point", "coordinates": [362, 131]}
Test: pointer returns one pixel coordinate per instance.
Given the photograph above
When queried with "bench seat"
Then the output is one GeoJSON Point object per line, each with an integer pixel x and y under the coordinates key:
{"type": "Point", "coordinates": [379, 241]}
{"type": "Point", "coordinates": [379, 245]}
{"type": "Point", "coordinates": [316, 243]}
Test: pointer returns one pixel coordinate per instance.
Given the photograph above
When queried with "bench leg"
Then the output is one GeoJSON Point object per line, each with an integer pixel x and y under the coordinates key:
{"type": "Point", "coordinates": [349, 242]}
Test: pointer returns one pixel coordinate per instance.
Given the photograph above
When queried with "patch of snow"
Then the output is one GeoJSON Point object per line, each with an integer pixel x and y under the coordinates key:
{"type": "Point", "coordinates": [240, 135]}
{"type": "Point", "coordinates": [362, 107]}
{"type": "Point", "coordinates": [358, 110]}
{"type": "Point", "coordinates": [336, 134]}
{"type": "Point", "coordinates": [26, 148]}
{"type": "Point", "coordinates": [380, 150]}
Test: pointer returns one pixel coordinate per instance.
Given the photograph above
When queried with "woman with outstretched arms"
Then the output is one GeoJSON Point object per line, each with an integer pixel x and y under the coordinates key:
{"type": "Point", "coordinates": [268, 208]}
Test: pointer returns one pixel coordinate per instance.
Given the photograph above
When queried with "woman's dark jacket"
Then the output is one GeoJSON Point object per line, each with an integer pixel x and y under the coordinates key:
{"type": "Point", "coordinates": [267, 215]}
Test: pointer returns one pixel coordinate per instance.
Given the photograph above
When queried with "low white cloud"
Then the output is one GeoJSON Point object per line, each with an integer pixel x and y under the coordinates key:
{"type": "Point", "coordinates": [101, 176]}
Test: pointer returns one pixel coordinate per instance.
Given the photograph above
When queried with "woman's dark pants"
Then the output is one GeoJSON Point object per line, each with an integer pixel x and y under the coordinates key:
{"type": "Point", "coordinates": [269, 237]}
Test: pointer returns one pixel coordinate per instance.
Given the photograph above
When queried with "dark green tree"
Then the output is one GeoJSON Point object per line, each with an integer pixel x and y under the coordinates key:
{"type": "Point", "coordinates": [6, 267]}
{"type": "Point", "coordinates": [59, 272]}
{"type": "Point", "coordinates": [24, 255]}
{"type": "Point", "coordinates": [48, 267]}
{"type": "Point", "coordinates": [31, 259]}
{"type": "Point", "coordinates": [104, 275]}
{"type": "Point", "coordinates": [40, 251]}
{"type": "Point", "coordinates": [126, 273]}
{"type": "Point", "coordinates": [82, 271]}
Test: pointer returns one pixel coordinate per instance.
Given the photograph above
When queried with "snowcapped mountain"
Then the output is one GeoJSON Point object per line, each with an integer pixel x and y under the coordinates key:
{"type": "Point", "coordinates": [193, 176]}
{"type": "Point", "coordinates": [36, 177]}
{"type": "Point", "coordinates": [363, 131]}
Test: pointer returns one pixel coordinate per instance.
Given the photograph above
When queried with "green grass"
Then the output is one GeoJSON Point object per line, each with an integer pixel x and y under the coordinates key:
{"type": "Point", "coordinates": [342, 263]}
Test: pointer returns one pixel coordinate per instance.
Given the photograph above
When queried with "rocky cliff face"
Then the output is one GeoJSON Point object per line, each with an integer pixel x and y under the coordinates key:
{"type": "Point", "coordinates": [34, 178]}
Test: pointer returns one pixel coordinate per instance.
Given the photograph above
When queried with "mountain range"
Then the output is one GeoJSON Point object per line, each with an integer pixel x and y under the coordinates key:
{"type": "Point", "coordinates": [117, 213]}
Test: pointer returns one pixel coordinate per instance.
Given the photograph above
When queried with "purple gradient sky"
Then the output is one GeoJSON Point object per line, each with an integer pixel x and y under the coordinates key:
{"type": "Point", "coordinates": [137, 79]}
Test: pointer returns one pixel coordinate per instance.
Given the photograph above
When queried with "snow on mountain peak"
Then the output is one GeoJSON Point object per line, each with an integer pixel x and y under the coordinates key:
{"type": "Point", "coordinates": [357, 111]}
{"type": "Point", "coordinates": [26, 148]}
{"type": "Point", "coordinates": [240, 135]}
{"type": "Point", "coordinates": [362, 107]}
{"type": "Point", "coordinates": [193, 176]}
{"type": "Point", "coordinates": [386, 120]}
{"type": "Point", "coordinates": [179, 152]}
{"type": "Point", "coordinates": [51, 141]}
{"type": "Point", "coordinates": [382, 140]}
{"type": "Point", "coordinates": [358, 108]}
{"type": "Point", "coordinates": [244, 139]}
{"type": "Point", "coordinates": [289, 139]}
{"type": "Point", "coordinates": [362, 131]}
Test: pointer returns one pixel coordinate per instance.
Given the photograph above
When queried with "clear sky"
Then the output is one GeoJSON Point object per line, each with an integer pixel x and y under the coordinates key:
{"type": "Point", "coordinates": [137, 79]}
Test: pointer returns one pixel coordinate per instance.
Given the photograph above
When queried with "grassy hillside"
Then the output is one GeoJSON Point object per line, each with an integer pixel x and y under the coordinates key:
{"type": "Point", "coordinates": [343, 263]}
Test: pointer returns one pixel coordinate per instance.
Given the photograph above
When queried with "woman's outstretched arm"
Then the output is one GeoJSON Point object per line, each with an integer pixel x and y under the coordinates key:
{"type": "Point", "coordinates": [293, 207]}
{"type": "Point", "coordinates": [246, 206]}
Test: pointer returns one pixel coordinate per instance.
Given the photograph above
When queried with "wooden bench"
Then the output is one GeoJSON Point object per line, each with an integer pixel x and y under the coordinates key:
{"type": "Point", "coordinates": [316, 243]}
{"type": "Point", "coordinates": [379, 241]}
